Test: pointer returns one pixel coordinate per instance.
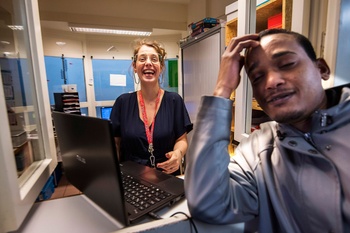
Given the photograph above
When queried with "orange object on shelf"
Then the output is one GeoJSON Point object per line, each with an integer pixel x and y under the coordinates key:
{"type": "Point", "coordinates": [275, 21]}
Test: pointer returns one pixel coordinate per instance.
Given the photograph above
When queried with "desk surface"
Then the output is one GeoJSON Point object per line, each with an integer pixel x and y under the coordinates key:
{"type": "Point", "coordinates": [70, 214]}
{"type": "Point", "coordinates": [79, 214]}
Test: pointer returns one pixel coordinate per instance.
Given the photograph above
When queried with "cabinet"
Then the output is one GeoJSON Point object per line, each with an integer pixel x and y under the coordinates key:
{"type": "Point", "coordinates": [67, 102]}
{"type": "Point", "coordinates": [200, 60]}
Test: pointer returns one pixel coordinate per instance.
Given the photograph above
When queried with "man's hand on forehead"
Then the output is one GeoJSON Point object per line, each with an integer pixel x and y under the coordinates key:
{"type": "Point", "coordinates": [231, 64]}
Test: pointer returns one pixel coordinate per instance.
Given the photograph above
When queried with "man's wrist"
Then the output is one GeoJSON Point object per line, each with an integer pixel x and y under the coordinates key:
{"type": "Point", "coordinates": [222, 92]}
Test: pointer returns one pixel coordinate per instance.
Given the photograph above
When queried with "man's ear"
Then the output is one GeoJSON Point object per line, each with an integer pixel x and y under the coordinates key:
{"type": "Point", "coordinates": [324, 68]}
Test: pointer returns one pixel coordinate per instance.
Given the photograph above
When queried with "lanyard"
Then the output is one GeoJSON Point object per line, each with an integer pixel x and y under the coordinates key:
{"type": "Point", "coordinates": [149, 132]}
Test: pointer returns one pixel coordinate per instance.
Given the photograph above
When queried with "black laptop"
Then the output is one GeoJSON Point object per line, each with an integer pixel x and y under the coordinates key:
{"type": "Point", "coordinates": [127, 191]}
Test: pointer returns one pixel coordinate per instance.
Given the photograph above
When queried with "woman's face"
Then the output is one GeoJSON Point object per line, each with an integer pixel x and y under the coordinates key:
{"type": "Point", "coordinates": [147, 64]}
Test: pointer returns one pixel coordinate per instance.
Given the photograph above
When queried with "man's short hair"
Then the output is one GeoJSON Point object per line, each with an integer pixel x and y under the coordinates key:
{"type": "Point", "coordinates": [301, 39]}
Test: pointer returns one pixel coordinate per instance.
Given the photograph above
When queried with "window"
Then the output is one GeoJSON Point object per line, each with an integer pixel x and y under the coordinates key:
{"type": "Point", "coordinates": [27, 148]}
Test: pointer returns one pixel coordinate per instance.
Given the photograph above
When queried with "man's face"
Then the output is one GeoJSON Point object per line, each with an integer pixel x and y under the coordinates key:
{"type": "Point", "coordinates": [286, 82]}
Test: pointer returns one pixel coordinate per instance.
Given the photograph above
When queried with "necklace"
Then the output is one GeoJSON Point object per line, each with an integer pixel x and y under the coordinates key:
{"type": "Point", "coordinates": [149, 132]}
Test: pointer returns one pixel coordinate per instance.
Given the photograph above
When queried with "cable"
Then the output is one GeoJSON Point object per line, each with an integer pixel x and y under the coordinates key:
{"type": "Point", "coordinates": [154, 215]}
{"type": "Point", "coordinates": [189, 218]}
{"type": "Point", "coordinates": [157, 217]}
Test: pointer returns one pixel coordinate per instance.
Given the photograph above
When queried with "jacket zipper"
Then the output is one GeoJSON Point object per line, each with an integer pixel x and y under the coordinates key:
{"type": "Point", "coordinates": [308, 138]}
{"type": "Point", "coordinates": [323, 123]}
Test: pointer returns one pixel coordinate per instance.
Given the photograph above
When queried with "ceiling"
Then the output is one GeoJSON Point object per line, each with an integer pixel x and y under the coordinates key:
{"type": "Point", "coordinates": [164, 17]}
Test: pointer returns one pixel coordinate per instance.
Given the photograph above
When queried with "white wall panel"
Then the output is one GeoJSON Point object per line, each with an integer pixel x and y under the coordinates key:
{"type": "Point", "coordinates": [200, 64]}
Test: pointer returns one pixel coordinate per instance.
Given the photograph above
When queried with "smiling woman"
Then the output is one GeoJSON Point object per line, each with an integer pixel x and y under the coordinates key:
{"type": "Point", "coordinates": [151, 125]}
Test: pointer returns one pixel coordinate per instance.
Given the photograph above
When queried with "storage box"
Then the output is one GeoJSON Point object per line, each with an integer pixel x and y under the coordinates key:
{"type": "Point", "coordinates": [19, 137]}
{"type": "Point", "coordinates": [202, 25]}
{"type": "Point", "coordinates": [69, 88]}
{"type": "Point", "coordinates": [275, 21]}
{"type": "Point", "coordinates": [47, 191]}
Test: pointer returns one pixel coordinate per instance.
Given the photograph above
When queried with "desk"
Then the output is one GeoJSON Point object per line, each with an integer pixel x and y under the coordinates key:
{"type": "Point", "coordinates": [78, 214]}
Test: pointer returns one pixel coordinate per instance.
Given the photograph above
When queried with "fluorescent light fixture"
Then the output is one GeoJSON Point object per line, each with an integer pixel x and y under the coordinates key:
{"type": "Point", "coordinates": [105, 30]}
{"type": "Point", "coordinates": [16, 27]}
{"type": "Point", "coordinates": [61, 43]}
{"type": "Point", "coordinates": [112, 48]}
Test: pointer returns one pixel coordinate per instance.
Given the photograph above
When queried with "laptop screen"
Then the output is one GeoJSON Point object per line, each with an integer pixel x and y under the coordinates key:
{"type": "Point", "coordinates": [90, 162]}
{"type": "Point", "coordinates": [106, 112]}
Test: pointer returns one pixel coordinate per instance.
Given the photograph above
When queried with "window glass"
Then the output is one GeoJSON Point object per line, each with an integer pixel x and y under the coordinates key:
{"type": "Point", "coordinates": [19, 84]}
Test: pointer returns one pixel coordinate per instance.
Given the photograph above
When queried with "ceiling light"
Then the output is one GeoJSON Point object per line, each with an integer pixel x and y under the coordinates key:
{"type": "Point", "coordinates": [16, 27]}
{"type": "Point", "coordinates": [112, 48]}
{"type": "Point", "coordinates": [118, 31]}
{"type": "Point", "coordinates": [61, 43]}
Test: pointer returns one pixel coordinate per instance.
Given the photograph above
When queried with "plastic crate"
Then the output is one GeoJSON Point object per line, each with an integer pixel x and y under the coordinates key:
{"type": "Point", "coordinates": [205, 21]}
{"type": "Point", "coordinates": [202, 25]}
{"type": "Point", "coordinates": [48, 190]}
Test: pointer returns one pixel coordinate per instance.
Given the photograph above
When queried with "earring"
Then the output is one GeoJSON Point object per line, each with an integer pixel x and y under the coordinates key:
{"type": "Point", "coordinates": [135, 79]}
{"type": "Point", "coordinates": [161, 80]}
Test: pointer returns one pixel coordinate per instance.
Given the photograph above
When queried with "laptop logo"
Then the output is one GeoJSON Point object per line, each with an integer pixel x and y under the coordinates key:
{"type": "Point", "coordinates": [81, 159]}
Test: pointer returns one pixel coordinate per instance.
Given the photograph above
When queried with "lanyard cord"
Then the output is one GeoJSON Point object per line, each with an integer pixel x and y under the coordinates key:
{"type": "Point", "coordinates": [149, 132]}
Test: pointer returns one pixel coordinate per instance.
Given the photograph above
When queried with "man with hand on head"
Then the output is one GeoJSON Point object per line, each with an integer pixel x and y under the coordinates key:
{"type": "Point", "coordinates": [291, 175]}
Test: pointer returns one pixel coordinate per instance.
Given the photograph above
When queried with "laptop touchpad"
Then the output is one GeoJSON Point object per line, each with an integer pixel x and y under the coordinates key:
{"type": "Point", "coordinates": [156, 177]}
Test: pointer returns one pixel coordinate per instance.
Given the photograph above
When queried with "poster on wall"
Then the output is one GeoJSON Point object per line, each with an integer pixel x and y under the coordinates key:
{"type": "Point", "coordinates": [117, 80]}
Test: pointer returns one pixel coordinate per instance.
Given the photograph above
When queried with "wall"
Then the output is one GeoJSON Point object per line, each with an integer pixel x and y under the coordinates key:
{"type": "Point", "coordinates": [99, 47]}
{"type": "Point", "coordinates": [116, 13]}
{"type": "Point", "coordinates": [92, 45]}
{"type": "Point", "coordinates": [79, 44]}
{"type": "Point", "coordinates": [211, 8]}
{"type": "Point", "coordinates": [120, 47]}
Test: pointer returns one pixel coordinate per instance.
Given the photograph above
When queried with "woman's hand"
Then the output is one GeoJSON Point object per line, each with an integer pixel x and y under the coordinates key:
{"type": "Point", "coordinates": [173, 163]}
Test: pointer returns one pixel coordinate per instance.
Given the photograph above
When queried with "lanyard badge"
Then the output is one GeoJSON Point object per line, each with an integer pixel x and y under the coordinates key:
{"type": "Point", "coordinates": [149, 132]}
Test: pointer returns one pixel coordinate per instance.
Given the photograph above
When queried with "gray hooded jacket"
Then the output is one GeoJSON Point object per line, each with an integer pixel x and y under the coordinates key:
{"type": "Point", "coordinates": [280, 179]}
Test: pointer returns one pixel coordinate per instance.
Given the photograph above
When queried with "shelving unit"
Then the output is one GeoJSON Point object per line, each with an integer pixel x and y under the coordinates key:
{"type": "Point", "coordinates": [264, 11]}
{"type": "Point", "coordinates": [67, 102]}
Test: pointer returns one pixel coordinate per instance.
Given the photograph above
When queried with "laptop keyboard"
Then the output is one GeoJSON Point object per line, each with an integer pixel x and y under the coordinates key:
{"type": "Point", "coordinates": [141, 195]}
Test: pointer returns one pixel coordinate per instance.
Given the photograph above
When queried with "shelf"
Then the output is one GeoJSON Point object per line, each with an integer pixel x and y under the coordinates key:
{"type": "Point", "coordinates": [263, 12]}
{"type": "Point", "coordinates": [67, 102]}
{"type": "Point", "coordinates": [230, 30]}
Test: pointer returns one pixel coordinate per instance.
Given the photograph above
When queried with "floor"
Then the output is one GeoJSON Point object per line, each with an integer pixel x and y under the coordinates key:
{"type": "Point", "coordinates": [64, 189]}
